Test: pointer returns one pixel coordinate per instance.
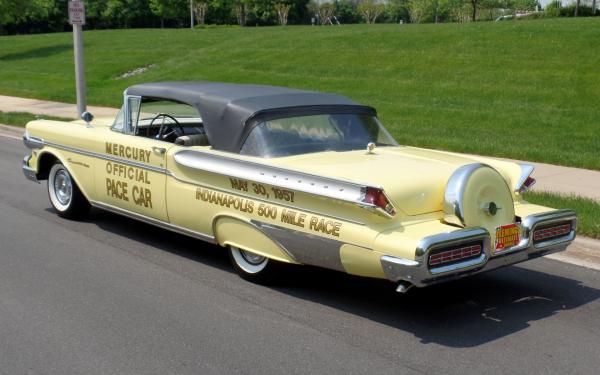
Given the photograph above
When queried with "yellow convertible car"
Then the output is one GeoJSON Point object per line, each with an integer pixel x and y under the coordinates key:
{"type": "Point", "coordinates": [278, 175]}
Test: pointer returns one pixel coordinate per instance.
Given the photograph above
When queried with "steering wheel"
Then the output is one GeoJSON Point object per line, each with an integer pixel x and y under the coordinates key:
{"type": "Point", "coordinates": [174, 133]}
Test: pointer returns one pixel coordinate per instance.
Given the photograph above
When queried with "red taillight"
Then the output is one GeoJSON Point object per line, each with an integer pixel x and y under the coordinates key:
{"type": "Point", "coordinates": [377, 198]}
{"type": "Point", "coordinates": [529, 182]}
{"type": "Point", "coordinates": [454, 255]}
{"type": "Point", "coordinates": [551, 232]}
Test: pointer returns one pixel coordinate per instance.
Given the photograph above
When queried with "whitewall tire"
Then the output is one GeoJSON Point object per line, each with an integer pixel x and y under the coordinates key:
{"type": "Point", "coordinates": [64, 194]}
{"type": "Point", "coordinates": [253, 267]}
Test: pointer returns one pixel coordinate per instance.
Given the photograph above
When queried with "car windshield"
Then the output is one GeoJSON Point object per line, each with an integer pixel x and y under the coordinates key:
{"type": "Point", "coordinates": [317, 133]}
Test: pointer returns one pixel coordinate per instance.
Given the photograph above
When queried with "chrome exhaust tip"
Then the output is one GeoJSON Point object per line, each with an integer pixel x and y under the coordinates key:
{"type": "Point", "coordinates": [403, 287]}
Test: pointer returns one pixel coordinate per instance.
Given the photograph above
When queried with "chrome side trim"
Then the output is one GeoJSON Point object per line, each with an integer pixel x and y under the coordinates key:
{"type": "Point", "coordinates": [526, 171]}
{"type": "Point", "coordinates": [417, 272]}
{"type": "Point", "coordinates": [32, 142]}
{"type": "Point", "coordinates": [156, 222]}
{"type": "Point", "coordinates": [304, 247]}
{"type": "Point", "coordinates": [282, 204]}
{"type": "Point", "coordinates": [166, 171]}
{"type": "Point", "coordinates": [285, 178]}
{"type": "Point", "coordinates": [28, 171]}
{"type": "Point", "coordinates": [106, 157]}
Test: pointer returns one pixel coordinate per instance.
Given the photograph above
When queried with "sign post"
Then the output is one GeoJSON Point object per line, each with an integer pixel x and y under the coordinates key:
{"type": "Point", "coordinates": [192, 14]}
{"type": "Point", "coordinates": [77, 19]}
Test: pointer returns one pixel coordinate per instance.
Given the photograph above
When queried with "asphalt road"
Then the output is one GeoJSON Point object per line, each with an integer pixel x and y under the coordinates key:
{"type": "Point", "coordinates": [114, 296]}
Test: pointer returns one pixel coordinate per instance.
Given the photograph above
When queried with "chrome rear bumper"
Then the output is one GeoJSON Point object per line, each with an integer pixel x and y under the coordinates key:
{"type": "Point", "coordinates": [419, 274]}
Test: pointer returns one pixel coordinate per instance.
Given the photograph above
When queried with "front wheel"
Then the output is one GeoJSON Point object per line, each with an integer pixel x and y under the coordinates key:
{"type": "Point", "coordinates": [253, 267]}
{"type": "Point", "coordinates": [65, 196]}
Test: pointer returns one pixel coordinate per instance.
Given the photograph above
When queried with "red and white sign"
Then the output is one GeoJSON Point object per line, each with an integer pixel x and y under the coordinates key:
{"type": "Point", "coordinates": [76, 13]}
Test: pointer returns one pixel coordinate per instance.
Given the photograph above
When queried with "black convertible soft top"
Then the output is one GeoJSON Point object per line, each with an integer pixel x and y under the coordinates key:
{"type": "Point", "coordinates": [229, 111]}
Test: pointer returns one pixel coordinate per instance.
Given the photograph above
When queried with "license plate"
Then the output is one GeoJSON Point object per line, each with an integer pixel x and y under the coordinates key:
{"type": "Point", "coordinates": [507, 236]}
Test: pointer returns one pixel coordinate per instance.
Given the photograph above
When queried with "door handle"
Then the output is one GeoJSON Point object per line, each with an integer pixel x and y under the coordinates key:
{"type": "Point", "coordinates": [160, 150]}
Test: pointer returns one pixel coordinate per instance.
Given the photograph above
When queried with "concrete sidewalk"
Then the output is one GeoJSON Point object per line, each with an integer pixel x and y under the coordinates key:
{"type": "Point", "coordinates": [44, 107]}
{"type": "Point", "coordinates": [565, 180]}
{"type": "Point", "coordinates": [552, 178]}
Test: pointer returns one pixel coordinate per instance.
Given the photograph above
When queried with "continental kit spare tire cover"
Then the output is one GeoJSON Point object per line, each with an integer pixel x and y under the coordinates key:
{"type": "Point", "coordinates": [478, 196]}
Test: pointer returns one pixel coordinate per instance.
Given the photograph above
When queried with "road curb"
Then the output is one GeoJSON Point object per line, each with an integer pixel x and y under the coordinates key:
{"type": "Point", "coordinates": [588, 243]}
{"type": "Point", "coordinates": [584, 252]}
{"type": "Point", "coordinates": [12, 130]}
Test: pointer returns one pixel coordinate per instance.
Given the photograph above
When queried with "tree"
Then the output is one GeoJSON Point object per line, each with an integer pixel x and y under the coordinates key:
{"type": "Point", "coordinates": [458, 10]}
{"type": "Point", "coordinates": [325, 13]}
{"type": "Point", "coordinates": [523, 5]}
{"type": "Point", "coordinates": [420, 10]}
{"type": "Point", "coordinates": [370, 10]}
{"type": "Point", "coordinates": [12, 11]}
{"type": "Point", "coordinates": [168, 9]}
{"type": "Point", "coordinates": [263, 12]}
{"type": "Point", "coordinates": [200, 8]}
{"type": "Point", "coordinates": [241, 11]}
{"type": "Point", "coordinates": [282, 13]}
{"type": "Point", "coordinates": [398, 10]}
{"type": "Point", "coordinates": [123, 13]}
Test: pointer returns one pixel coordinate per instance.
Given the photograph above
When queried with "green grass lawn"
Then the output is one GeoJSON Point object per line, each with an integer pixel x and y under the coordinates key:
{"type": "Point", "coordinates": [526, 90]}
{"type": "Point", "coordinates": [22, 118]}
{"type": "Point", "coordinates": [588, 211]}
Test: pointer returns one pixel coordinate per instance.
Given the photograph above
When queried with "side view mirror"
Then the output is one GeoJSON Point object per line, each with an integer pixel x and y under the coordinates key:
{"type": "Point", "coordinates": [87, 117]}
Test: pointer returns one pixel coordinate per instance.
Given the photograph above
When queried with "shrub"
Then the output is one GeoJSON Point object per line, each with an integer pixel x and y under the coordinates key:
{"type": "Point", "coordinates": [553, 9]}
{"type": "Point", "coordinates": [569, 11]}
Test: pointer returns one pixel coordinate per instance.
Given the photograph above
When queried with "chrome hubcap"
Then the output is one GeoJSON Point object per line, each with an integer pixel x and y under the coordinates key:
{"type": "Point", "coordinates": [252, 258]}
{"type": "Point", "coordinates": [63, 187]}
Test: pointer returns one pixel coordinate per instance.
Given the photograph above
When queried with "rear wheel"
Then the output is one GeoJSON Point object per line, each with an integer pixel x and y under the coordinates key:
{"type": "Point", "coordinates": [64, 194]}
{"type": "Point", "coordinates": [253, 267]}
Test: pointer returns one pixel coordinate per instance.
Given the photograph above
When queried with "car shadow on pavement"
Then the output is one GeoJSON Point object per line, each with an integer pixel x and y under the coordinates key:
{"type": "Point", "coordinates": [463, 313]}
{"type": "Point", "coordinates": [161, 239]}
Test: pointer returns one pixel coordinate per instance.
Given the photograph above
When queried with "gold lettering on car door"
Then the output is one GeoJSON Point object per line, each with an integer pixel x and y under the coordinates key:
{"type": "Point", "coordinates": [119, 189]}
{"type": "Point", "coordinates": [128, 152]}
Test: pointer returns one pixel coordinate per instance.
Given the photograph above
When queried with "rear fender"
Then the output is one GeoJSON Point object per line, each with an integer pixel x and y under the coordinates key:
{"type": "Point", "coordinates": [233, 231]}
